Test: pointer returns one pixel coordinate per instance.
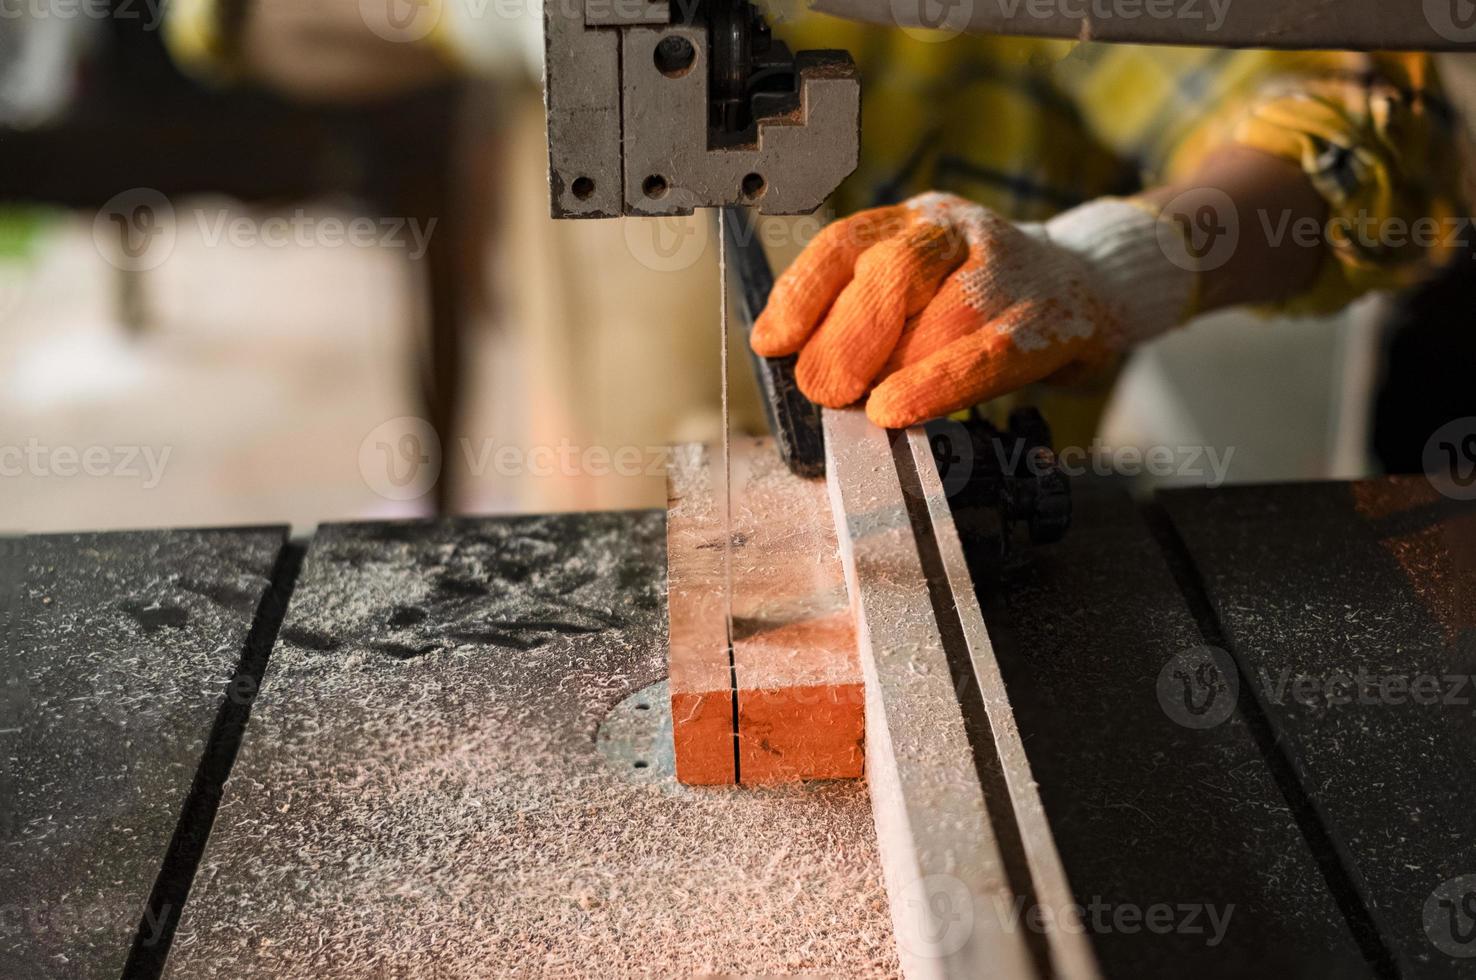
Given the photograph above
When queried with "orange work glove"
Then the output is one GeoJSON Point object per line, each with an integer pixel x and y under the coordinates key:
{"type": "Point", "coordinates": [937, 304]}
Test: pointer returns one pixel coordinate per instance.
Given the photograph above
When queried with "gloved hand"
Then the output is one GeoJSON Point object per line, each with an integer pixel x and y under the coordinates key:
{"type": "Point", "coordinates": [937, 304]}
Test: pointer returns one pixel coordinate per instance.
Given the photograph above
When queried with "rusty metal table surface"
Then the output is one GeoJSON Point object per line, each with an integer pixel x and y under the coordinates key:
{"type": "Point", "coordinates": [1146, 810]}
{"type": "Point", "coordinates": [421, 791]}
{"type": "Point", "coordinates": [118, 663]}
{"type": "Point", "coordinates": [423, 786]}
{"type": "Point", "coordinates": [1351, 610]}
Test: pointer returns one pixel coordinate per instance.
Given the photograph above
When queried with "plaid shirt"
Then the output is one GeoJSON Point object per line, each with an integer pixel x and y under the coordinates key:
{"type": "Point", "coordinates": [1032, 127]}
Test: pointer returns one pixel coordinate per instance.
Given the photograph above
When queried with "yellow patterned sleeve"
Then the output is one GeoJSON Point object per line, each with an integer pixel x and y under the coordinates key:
{"type": "Point", "coordinates": [1377, 140]}
{"type": "Point", "coordinates": [192, 30]}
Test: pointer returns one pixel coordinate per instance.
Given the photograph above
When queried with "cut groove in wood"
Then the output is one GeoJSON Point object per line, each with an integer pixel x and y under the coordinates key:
{"type": "Point", "coordinates": [800, 697]}
{"type": "Point", "coordinates": [1069, 949]}
{"type": "Point", "coordinates": [701, 677]}
{"type": "Point", "coordinates": [947, 876]}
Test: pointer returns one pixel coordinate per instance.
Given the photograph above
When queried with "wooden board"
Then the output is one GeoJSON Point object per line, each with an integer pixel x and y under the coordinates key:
{"type": "Point", "coordinates": [1318, 584]}
{"type": "Point", "coordinates": [120, 658]}
{"type": "Point", "coordinates": [946, 874]}
{"type": "Point", "coordinates": [422, 791]}
{"type": "Point", "coordinates": [1013, 793]}
{"type": "Point", "coordinates": [799, 695]}
{"type": "Point", "coordinates": [701, 670]}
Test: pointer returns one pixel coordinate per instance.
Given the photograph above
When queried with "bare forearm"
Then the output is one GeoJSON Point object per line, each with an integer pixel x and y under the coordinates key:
{"type": "Point", "coordinates": [1243, 260]}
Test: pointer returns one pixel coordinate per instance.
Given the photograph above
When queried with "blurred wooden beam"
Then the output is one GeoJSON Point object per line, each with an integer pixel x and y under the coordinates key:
{"type": "Point", "coordinates": [1358, 25]}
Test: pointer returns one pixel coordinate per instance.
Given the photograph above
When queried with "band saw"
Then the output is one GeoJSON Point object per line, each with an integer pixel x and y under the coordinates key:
{"type": "Point", "coordinates": [925, 521]}
{"type": "Point", "coordinates": [1067, 732]}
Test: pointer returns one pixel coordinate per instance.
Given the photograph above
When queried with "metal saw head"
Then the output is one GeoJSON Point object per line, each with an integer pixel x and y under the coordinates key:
{"type": "Point", "coordinates": [657, 108]}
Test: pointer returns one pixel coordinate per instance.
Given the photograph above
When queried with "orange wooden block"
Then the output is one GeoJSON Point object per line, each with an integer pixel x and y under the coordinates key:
{"type": "Point", "coordinates": [701, 674]}
{"type": "Point", "coordinates": [800, 700]}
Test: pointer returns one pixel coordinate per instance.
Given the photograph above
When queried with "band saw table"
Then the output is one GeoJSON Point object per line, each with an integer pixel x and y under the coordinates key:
{"type": "Point", "coordinates": [440, 749]}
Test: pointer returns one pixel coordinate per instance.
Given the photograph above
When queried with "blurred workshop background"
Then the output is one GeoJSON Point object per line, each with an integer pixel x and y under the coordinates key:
{"type": "Point", "coordinates": [241, 300]}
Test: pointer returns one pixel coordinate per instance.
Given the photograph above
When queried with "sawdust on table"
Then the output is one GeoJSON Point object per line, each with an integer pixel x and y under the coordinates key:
{"type": "Point", "coordinates": [420, 794]}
